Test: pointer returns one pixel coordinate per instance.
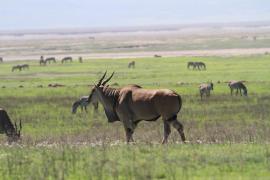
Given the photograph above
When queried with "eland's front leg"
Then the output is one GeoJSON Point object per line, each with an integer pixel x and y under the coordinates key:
{"type": "Point", "coordinates": [129, 133]}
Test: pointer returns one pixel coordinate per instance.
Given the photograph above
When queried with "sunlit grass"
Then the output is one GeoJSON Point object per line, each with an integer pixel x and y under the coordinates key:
{"type": "Point", "coordinates": [228, 136]}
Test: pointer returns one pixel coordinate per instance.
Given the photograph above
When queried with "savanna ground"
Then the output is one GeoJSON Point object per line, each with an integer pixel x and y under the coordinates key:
{"type": "Point", "coordinates": [228, 136]}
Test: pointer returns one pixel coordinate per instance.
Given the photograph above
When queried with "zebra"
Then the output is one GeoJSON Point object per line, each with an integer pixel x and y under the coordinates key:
{"type": "Point", "coordinates": [205, 89]}
{"type": "Point", "coordinates": [157, 56]}
{"type": "Point", "coordinates": [190, 64]}
{"type": "Point", "coordinates": [239, 86]}
{"type": "Point", "coordinates": [201, 65]}
{"type": "Point", "coordinates": [196, 65]}
{"type": "Point", "coordinates": [42, 61]}
{"type": "Point", "coordinates": [25, 66]}
{"type": "Point", "coordinates": [131, 64]}
{"type": "Point", "coordinates": [50, 59]}
{"type": "Point", "coordinates": [65, 59]}
{"type": "Point", "coordinates": [83, 102]}
{"type": "Point", "coordinates": [17, 67]}
{"type": "Point", "coordinates": [20, 67]}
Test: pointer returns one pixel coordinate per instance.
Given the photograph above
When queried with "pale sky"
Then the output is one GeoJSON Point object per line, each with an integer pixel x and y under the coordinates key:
{"type": "Point", "coordinates": [47, 14]}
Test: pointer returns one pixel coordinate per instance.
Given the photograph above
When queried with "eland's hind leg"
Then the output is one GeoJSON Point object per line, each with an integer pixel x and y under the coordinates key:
{"type": "Point", "coordinates": [178, 126]}
{"type": "Point", "coordinates": [167, 132]}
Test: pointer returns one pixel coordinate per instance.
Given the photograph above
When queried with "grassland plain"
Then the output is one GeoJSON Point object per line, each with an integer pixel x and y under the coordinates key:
{"type": "Point", "coordinates": [229, 136]}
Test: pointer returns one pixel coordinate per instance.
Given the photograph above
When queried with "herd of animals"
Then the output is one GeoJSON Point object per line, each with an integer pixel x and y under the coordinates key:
{"type": "Point", "coordinates": [130, 104]}
{"type": "Point", "coordinates": [42, 62]}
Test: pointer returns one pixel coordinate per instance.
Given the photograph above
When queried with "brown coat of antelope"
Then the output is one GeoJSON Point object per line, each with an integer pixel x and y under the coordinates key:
{"type": "Point", "coordinates": [132, 104]}
{"type": "Point", "coordinates": [6, 126]}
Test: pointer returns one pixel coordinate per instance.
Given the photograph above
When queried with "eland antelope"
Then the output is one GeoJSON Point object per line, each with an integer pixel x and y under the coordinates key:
{"type": "Point", "coordinates": [132, 104]}
{"type": "Point", "coordinates": [83, 102]}
{"type": "Point", "coordinates": [239, 86]}
{"type": "Point", "coordinates": [131, 64]}
{"type": "Point", "coordinates": [6, 126]}
{"type": "Point", "coordinates": [205, 89]}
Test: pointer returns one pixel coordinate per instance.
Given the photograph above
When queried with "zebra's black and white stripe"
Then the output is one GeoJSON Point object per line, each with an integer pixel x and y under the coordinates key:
{"type": "Point", "coordinates": [205, 89]}
{"type": "Point", "coordinates": [83, 102]}
{"type": "Point", "coordinates": [239, 86]}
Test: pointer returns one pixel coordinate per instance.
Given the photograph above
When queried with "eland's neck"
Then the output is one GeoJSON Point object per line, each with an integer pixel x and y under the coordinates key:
{"type": "Point", "coordinates": [109, 97]}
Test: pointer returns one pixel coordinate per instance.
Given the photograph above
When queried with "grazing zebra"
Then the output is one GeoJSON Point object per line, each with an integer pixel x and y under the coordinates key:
{"type": "Point", "coordinates": [190, 64]}
{"type": "Point", "coordinates": [65, 59]}
{"type": "Point", "coordinates": [42, 62]}
{"type": "Point", "coordinates": [25, 66]}
{"type": "Point", "coordinates": [83, 102]}
{"type": "Point", "coordinates": [239, 86]}
{"type": "Point", "coordinates": [131, 64]}
{"type": "Point", "coordinates": [1, 60]}
{"type": "Point", "coordinates": [157, 56]}
{"type": "Point", "coordinates": [20, 67]}
{"type": "Point", "coordinates": [201, 65]}
{"type": "Point", "coordinates": [196, 65]}
{"type": "Point", "coordinates": [48, 60]}
{"type": "Point", "coordinates": [17, 67]}
{"type": "Point", "coordinates": [205, 89]}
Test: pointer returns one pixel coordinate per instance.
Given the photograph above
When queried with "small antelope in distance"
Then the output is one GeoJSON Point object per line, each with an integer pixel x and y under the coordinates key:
{"type": "Point", "coordinates": [6, 126]}
{"type": "Point", "coordinates": [1, 60]}
{"type": "Point", "coordinates": [205, 89]}
{"type": "Point", "coordinates": [131, 64]}
{"type": "Point", "coordinates": [65, 59]}
{"type": "Point", "coordinates": [83, 102]}
{"type": "Point", "coordinates": [239, 86]}
{"type": "Point", "coordinates": [132, 104]}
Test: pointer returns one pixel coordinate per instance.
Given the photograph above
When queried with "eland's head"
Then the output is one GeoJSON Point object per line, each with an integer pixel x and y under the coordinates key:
{"type": "Point", "coordinates": [108, 101]}
{"type": "Point", "coordinates": [99, 87]}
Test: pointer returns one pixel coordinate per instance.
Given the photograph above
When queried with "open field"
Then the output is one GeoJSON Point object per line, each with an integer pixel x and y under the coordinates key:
{"type": "Point", "coordinates": [228, 136]}
{"type": "Point", "coordinates": [196, 40]}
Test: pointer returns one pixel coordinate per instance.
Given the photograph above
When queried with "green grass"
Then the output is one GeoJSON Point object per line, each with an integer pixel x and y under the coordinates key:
{"type": "Point", "coordinates": [235, 161]}
{"type": "Point", "coordinates": [229, 136]}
